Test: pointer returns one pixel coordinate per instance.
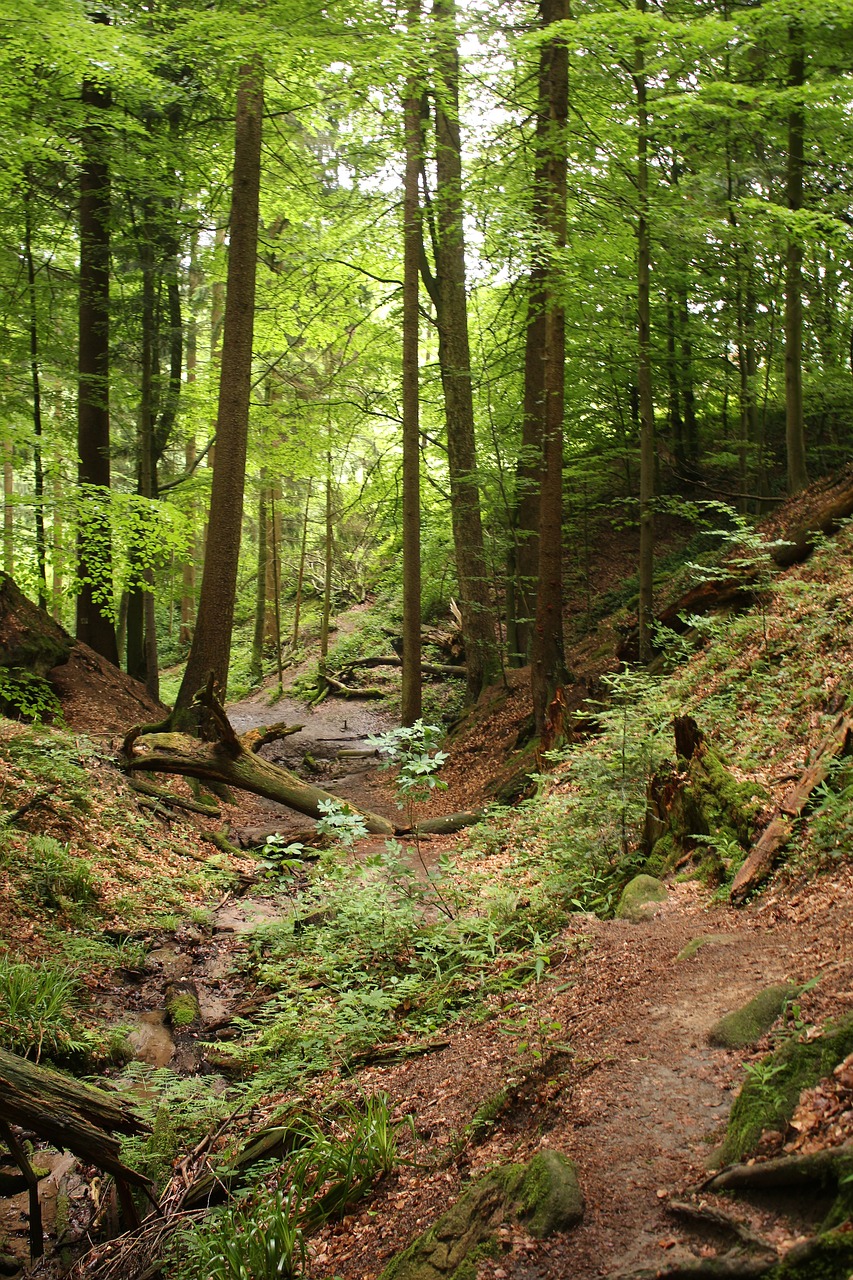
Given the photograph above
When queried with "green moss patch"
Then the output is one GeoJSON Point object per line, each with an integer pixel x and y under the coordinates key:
{"type": "Point", "coordinates": [772, 1088]}
{"type": "Point", "coordinates": [543, 1195]}
{"type": "Point", "coordinates": [696, 944]}
{"type": "Point", "coordinates": [639, 898]}
{"type": "Point", "coordinates": [827, 1257]}
{"type": "Point", "coordinates": [744, 1026]}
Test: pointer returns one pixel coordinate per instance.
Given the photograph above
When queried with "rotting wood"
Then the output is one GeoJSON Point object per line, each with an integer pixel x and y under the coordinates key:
{"type": "Point", "coordinates": [69, 1114]}
{"type": "Point", "coordinates": [448, 824]}
{"type": "Point", "coordinates": [254, 739]}
{"type": "Point", "coordinates": [761, 860]}
{"type": "Point", "coordinates": [227, 761]}
{"type": "Point", "coordinates": [345, 691]}
{"type": "Point", "coordinates": [393, 660]}
{"type": "Point", "coordinates": [19, 1155]}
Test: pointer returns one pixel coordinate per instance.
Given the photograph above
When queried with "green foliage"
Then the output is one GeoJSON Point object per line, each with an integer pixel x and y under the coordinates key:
{"type": "Point", "coordinates": [259, 1239]}
{"type": "Point", "coordinates": [414, 750]}
{"type": "Point", "coordinates": [340, 823]}
{"type": "Point", "coordinates": [25, 696]}
{"type": "Point", "coordinates": [37, 1008]}
{"type": "Point", "coordinates": [54, 877]}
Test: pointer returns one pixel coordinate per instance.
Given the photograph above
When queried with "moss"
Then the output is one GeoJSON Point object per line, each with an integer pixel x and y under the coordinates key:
{"type": "Point", "coordinates": [744, 1026]}
{"type": "Point", "coordinates": [695, 944]}
{"type": "Point", "coordinates": [828, 1257]}
{"type": "Point", "coordinates": [182, 1008]}
{"type": "Point", "coordinates": [638, 896]}
{"type": "Point", "coordinates": [772, 1089]}
{"type": "Point", "coordinates": [550, 1195]}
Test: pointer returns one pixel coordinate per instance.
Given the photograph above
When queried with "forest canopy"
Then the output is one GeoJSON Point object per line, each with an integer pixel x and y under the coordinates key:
{"type": "Point", "coordinates": [631, 225]}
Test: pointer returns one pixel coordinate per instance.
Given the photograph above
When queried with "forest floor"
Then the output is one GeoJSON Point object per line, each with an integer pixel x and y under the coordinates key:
{"type": "Point", "coordinates": [603, 1054]}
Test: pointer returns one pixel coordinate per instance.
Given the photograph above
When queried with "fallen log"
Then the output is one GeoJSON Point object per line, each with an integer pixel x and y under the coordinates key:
{"type": "Point", "coordinates": [227, 761]}
{"type": "Point", "coordinates": [394, 660]}
{"type": "Point", "coordinates": [448, 824]}
{"type": "Point", "coordinates": [761, 860]}
{"type": "Point", "coordinates": [254, 739]}
{"type": "Point", "coordinates": [830, 508]}
{"type": "Point", "coordinates": [178, 802]}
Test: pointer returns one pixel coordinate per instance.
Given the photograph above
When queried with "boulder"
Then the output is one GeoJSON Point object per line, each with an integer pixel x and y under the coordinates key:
{"type": "Point", "coordinates": [640, 898]}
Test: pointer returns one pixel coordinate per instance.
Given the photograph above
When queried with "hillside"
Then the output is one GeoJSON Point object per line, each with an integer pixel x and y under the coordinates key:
{"type": "Point", "coordinates": [414, 1015]}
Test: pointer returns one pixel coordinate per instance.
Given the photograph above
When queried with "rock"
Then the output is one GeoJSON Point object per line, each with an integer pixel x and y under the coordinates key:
{"type": "Point", "coordinates": [543, 1196]}
{"type": "Point", "coordinates": [550, 1195]}
{"type": "Point", "coordinates": [744, 1026]}
{"type": "Point", "coordinates": [640, 898]}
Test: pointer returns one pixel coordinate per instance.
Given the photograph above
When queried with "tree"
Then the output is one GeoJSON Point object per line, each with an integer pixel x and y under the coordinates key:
{"type": "Point", "coordinates": [411, 693]}
{"type": "Point", "coordinates": [211, 645]}
{"type": "Point", "coordinates": [94, 546]}
{"type": "Point", "coordinates": [447, 288]}
{"type": "Point", "coordinates": [548, 665]}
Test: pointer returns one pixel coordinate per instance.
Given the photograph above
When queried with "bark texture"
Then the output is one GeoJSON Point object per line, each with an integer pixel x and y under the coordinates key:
{"type": "Point", "coordinates": [211, 646]}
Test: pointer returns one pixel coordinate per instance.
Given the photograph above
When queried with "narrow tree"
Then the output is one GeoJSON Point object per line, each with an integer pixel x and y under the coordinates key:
{"type": "Point", "coordinates": [411, 680]}
{"type": "Point", "coordinates": [644, 358]}
{"type": "Point", "coordinates": [795, 436]}
{"type": "Point", "coordinates": [211, 645]}
{"type": "Point", "coordinates": [547, 667]}
{"type": "Point", "coordinates": [448, 292]}
{"type": "Point", "coordinates": [94, 550]}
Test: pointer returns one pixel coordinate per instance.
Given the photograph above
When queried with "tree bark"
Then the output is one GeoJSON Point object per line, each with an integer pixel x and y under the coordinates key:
{"type": "Point", "coordinates": [256, 669]}
{"type": "Point", "coordinates": [211, 646]}
{"type": "Point", "coordinates": [795, 436]}
{"type": "Point", "coordinates": [35, 374]}
{"type": "Point", "coordinates": [411, 682]}
{"type": "Point", "coordinates": [548, 667]}
{"type": "Point", "coordinates": [8, 508]}
{"type": "Point", "coordinates": [644, 363]}
{"type": "Point", "coordinates": [449, 294]}
{"type": "Point", "coordinates": [94, 546]}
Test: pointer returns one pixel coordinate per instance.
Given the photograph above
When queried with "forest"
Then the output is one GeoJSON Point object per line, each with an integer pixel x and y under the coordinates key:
{"type": "Point", "coordinates": [425, 639]}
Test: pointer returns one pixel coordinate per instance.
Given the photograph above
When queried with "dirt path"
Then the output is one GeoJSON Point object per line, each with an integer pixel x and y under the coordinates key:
{"type": "Point", "coordinates": [639, 1101]}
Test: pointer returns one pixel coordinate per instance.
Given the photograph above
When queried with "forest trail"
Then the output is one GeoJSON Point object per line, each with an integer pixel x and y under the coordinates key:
{"type": "Point", "coordinates": [627, 1084]}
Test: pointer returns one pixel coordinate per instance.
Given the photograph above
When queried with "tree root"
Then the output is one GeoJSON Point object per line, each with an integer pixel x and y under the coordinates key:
{"type": "Point", "coordinates": [814, 1171]}
{"type": "Point", "coordinates": [168, 797]}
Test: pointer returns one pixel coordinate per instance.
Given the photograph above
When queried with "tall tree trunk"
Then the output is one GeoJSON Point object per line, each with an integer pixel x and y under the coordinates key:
{"type": "Point", "coordinates": [644, 361]}
{"type": "Point", "coordinates": [136, 655]}
{"type": "Point", "coordinates": [478, 617]}
{"type": "Point", "coordinates": [257, 665]}
{"type": "Point", "coordinates": [411, 679]}
{"type": "Point", "coordinates": [795, 435]}
{"type": "Point", "coordinates": [188, 574]}
{"type": "Point", "coordinates": [58, 547]}
{"type": "Point", "coordinates": [94, 544]}
{"type": "Point", "coordinates": [300, 577]}
{"type": "Point", "coordinates": [211, 646]}
{"type": "Point", "coordinates": [273, 566]}
{"type": "Point", "coordinates": [35, 374]}
{"type": "Point", "coordinates": [8, 508]}
{"type": "Point", "coordinates": [548, 667]}
{"type": "Point", "coordinates": [327, 567]}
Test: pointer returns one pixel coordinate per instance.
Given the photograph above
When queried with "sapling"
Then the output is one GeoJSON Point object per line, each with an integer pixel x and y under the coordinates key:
{"type": "Point", "coordinates": [414, 749]}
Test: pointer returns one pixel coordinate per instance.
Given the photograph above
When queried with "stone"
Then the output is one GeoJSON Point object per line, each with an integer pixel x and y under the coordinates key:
{"type": "Point", "coordinates": [542, 1196]}
{"type": "Point", "coordinates": [744, 1026]}
{"type": "Point", "coordinates": [641, 898]}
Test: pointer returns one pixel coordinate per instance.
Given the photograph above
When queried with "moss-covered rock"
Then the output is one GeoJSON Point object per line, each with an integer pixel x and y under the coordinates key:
{"type": "Point", "coordinates": [543, 1196]}
{"type": "Point", "coordinates": [752, 1020]}
{"type": "Point", "coordinates": [772, 1089]}
{"type": "Point", "coordinates": [550, 1195]}
{"type": "Point", "coordinates": [639, 898]}
{"type": "Point", "coordinates": [182, 1004]}
{"type": "Point", "coordinates": [696, 944]}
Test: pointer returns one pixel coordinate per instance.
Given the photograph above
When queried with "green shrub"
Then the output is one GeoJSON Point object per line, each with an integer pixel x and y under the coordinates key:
{"type": "Point", "coordinates": [36, 1008]}
{"type": "Point", "coordinates": [54, 877]}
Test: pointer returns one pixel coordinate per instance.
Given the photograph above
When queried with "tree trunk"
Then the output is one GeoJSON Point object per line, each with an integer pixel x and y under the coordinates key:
{"type": "Point", "coordinates": [231, 761]}
{"type": "Point", "coordinates": [94, 544]}
{"type": "Point", "coordinates": [188, 575]}
{"type": "Point", "coordinates": [795, 435]}
{"type": "Point", "coordinates": [548, 667]}
{"type": "Point", "coordinates": [300, 579]}
{"type": "Point", "coordinates": [411, 680]}
{"type": "Point", "coordinates": [644, 364]}
{"type": "Point", "coordinates": [41, 558]}
{"type": "Point", "coordinates": [524, 554]}
{"type": "Point", "coordinates": [211, 646]}
{"type": "Point", "coordinates": [257, 664]}
{"type": "Point", "coordinates": [8, 508]}
{"type": "Point", "coordinates": [478, 618]}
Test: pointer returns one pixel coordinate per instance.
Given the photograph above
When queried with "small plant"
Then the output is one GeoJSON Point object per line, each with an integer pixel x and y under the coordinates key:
{"type": "Point", "coordinates": [259, 1239]}
{"type": "Point", "coordinates": [340, 822]}
{"type": "Point", "coordinates": [280, 857]}
{"type": "Point", "coordinates": [36, 1008]}
{"type": "Point", "coordinates": [55, 877]}
{"type": "Point", "coordinates": [26, 696]}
